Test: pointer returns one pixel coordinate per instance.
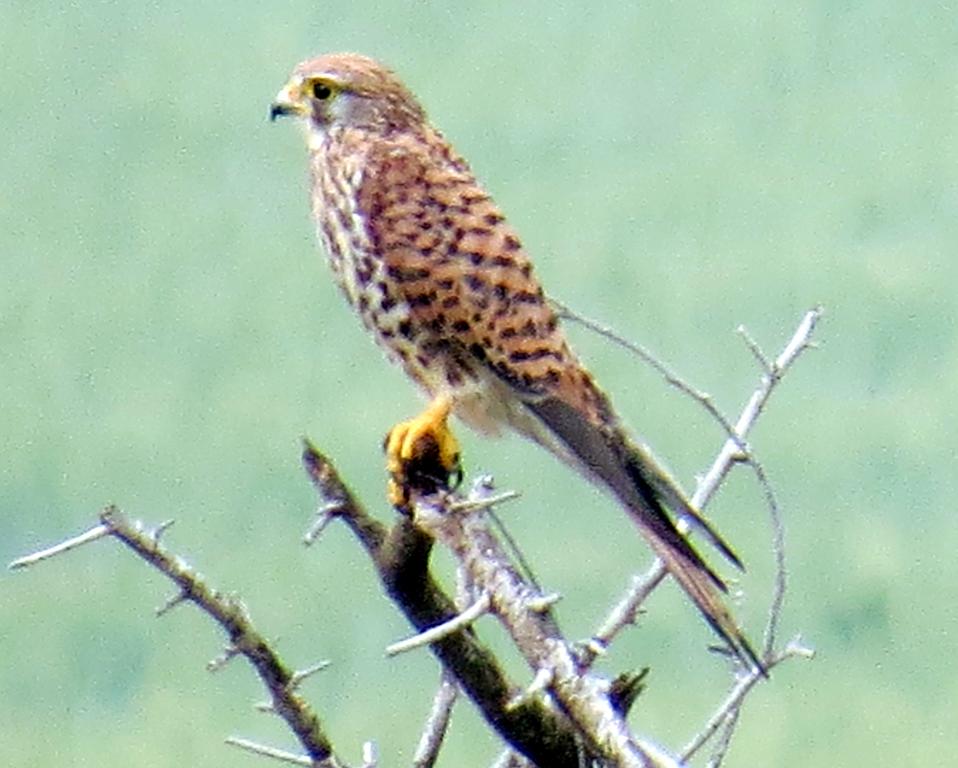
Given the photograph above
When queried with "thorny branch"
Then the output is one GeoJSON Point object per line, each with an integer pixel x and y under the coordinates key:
{"type": "Point", "coordinates": [230, 614]}
{"type": "Point", "coordinates": [400, 555]}
{"type": "Point", "coordinates": [589, 727]}
{"type": "Point", "coordinates": [583, 698]}
{"type": "Point", "coordinates": [427, 751]}
{"type": "Point", "coordinates": [731, 706]}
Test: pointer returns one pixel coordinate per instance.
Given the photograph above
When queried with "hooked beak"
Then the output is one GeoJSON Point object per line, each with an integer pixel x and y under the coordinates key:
{"type": "Point", "coordinates": [287, 103]}
{"type": "Point", "coordinates": [276, 109]}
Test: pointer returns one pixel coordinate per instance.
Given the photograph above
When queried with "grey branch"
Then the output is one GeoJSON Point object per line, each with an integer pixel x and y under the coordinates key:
{"type": "Point", "coordinates": [276, 754]}
{"type": "Point", "coordinates": [400, 555]}
{"type": "Point", "coordinates": [433, 734]}
{"type": "Point", "coordinates": [583, 698]}
{"type": "Point", "coordinates": [231, 615]}
{"type": "Point", "coordinates": [732, 703]}
{"type": "Point", "coordinates": [589, 726]}
{"type": "Point", "coordinates": [227, 612]}
{"type": "Point", "coordinates": [97, 532]}
{"type": "Point", "coordinates": [433, 634]}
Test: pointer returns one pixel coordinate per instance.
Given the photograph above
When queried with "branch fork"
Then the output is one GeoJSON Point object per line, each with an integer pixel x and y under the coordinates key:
{"type": "Point", "coordinates": [567, 716]}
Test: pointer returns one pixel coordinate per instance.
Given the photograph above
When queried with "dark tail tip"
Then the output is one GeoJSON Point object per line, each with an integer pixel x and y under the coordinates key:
{"type": "Point", "coordinates": [747, 654]}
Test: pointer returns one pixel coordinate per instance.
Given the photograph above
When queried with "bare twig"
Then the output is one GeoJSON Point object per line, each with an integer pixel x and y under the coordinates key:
{"type": "Point", "coordinates": [488, 502]}
{"type": "Point", "coordinates": [670, 376]}
{"type": "Point", "coordinates": [400, 556]}
{"type": "Point", "coordinates": [174, 600]}
{"type": "Point", "coordinates": [800, 341]}
{"type": "Point", "coordinates": [271, 752]}
{"type": "Point", "coordinates": [229, 653]}
{"type": "Point", "coordinates": [335, 499]}
{"type": "Point", "coordinates": [755, 348]}
{"type": "Point", "coordinates": [780, 583]}
{"type": "Point", "coordinates": [370, 755]}
{"type": "Point", "coordinates": [97, 532]}
{"type": "Point", "coordinates": [732, 450]}
{"type": "Point", "coordinates": [301, 675]}
{"type": "Point", "coordinates": [541, 682]}
{"type": "Point", "coordinates": [582, 697]}
{"type": "Point", "coordinates": [325, 514]}
{"type": "Point", "coordinates": [231, 615]}
{"type": "Point", "coordinates": [468, 504]}
{"type": "Point", "coordinates": [433, 634]}
{"type": "Point", "coordinates": [227, 612]}
{"type": "Point", "coordinates": [543, 603]}
{"type": "Point", "coordinates": [437, 724]}
{"type": "Point", "coordinates": [733, 701]}
{"type": "Point", "coordinates": [724, 740]}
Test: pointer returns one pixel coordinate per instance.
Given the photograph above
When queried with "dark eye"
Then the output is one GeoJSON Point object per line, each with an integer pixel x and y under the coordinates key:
{"type": "Point", "coordinates": [322, 91]}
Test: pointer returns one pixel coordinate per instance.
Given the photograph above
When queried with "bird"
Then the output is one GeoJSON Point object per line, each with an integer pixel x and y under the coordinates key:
{"type": "Point", "coordinates": [440, 278]}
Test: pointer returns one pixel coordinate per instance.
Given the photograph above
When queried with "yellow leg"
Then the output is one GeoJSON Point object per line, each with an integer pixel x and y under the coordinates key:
{"type": "Point", "coordinates": [422, 452]}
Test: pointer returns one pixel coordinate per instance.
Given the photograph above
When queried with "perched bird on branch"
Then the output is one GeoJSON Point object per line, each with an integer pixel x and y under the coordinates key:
{"type": "Point", "coordinates": [442, 281]}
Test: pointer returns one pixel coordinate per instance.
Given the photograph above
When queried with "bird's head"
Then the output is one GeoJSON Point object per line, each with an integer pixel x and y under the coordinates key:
{"type": "Point", "coordinates": [346, 90]}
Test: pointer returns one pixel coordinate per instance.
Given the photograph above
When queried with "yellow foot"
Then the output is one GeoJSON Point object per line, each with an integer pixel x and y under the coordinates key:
{"type": "Point", "coordinates": [422, 454]}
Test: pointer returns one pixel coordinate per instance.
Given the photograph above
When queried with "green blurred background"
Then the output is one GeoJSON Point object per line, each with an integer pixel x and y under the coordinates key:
{"type": "Point", "coordinates": [168, 331]}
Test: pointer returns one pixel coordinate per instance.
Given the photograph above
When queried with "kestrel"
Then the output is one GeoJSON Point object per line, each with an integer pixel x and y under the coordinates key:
{"type": "Point", "coordinates": [440, 278]}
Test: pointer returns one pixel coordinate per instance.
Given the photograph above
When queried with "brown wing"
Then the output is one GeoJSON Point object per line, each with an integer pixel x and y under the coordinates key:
{"type": "Point", "coordinates": [456, 262]}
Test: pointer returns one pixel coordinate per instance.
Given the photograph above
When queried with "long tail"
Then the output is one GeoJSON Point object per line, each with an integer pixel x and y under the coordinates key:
{"type": "Point", "coordinates": [606, 456]}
